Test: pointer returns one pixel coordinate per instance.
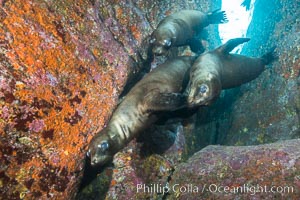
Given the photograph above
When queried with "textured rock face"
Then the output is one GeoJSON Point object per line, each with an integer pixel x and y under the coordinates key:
{"type": "Point", "coordinates": [61, 70]}
{"type": "Point", "coordinates": [268, 171]}
{"type": "Point", "coordinates": [266, 109]}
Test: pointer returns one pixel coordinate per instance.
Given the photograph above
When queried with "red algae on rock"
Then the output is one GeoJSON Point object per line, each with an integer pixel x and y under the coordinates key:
{"type": "Point", "coordinates": [61, 71]}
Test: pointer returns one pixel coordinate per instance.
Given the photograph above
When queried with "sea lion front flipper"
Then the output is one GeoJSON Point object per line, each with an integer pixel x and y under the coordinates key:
{"type": "Point", "coordinates": [196, 46]}
{"type": "Point", "coordinates": [231, 44]}
{"type": "Point", "coordinates": [186, 80]}
{"type": "Point", "coordinates": [157, 101]}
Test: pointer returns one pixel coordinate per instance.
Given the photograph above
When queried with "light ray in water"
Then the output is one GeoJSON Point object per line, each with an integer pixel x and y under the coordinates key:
{"type": "Point", "coordinates": [239, 20]}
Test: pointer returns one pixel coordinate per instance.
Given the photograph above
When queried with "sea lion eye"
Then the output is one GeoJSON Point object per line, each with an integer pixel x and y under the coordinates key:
{"type": "Point", "coordinates": [203, 88]}
{"type": "Point", "coordinates": [167, 43]}
{"type": "Point", "coordinates": [103, 146]}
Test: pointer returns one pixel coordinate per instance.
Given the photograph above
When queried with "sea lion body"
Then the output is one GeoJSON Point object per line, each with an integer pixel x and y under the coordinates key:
{"type": "Point", "coordinates": [180, 29]}
{"type": "Point", "coordinates": [218, 69]}
{"type": "Point", "coordinates": [239, 69]}
{"type": "Point", "coordinates": [157, 92]}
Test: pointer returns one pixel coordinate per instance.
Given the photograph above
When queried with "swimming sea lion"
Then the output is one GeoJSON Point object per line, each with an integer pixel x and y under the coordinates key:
{"type": "Point", "coordinates": [180, 29]}
{"type": "Point", "coordinates": [216, 70]}
{"type": "Point", "coordinates": [159, 91]}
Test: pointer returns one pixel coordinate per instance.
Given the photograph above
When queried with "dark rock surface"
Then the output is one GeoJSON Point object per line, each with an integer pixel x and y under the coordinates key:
{"type": "Point", "coordinates": [269, 171]}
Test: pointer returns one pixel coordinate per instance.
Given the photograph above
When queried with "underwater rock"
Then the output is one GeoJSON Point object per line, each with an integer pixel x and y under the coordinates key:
{"type": "Point", "coordinates": [131, 172]}
{"type": "Point", "coordinates": [268, 171]}
{"type": "Point", "coordinates": [138, 170]}
{"type": "Point", "coordinates": [62, 69]}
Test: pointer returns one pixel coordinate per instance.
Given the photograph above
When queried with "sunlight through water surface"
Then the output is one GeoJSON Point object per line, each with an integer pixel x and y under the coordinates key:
{"type": "Point", "coordinates": [239, 20]}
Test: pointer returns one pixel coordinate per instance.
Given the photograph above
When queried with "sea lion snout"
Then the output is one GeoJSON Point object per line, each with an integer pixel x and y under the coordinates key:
{"type": "Point", "coordinates": [100, 149]}
{"type": "Point", "coordinates": [161, 47]}
{"type": "Point", "coordinates": [198, 99]}
{"type": "Point", "coordinates": [97, 156]}
{"type": "Point", "coordinates": [203, 90]}
{"type": "Point", "coordinates": [158, 50]}
{"type": "Point", "coordinates": [192, 99]}
{"type": "Point", "coordinates": [94, 161]}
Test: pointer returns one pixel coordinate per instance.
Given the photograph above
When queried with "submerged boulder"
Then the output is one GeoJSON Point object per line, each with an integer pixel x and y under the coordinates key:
{"type": "Point", "coordinates": [269, 171]}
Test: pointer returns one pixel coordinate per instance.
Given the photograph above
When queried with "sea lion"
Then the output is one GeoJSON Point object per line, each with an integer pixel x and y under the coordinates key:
{"type": "Point", "coordinates": [218, 69]}
{"type": "Point", "coordinates": [159, 91]}
{"type": "Point", "coordinates": [180, 29]}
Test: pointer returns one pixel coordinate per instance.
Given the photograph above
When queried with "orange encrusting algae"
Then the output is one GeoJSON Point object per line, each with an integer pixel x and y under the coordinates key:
{"type": "Point", "coordinates": [56, 98]}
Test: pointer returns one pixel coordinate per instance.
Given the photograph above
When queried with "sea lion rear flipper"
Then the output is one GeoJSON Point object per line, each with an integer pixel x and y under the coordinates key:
{"type": "Point", "coordinates": [231, 44]}
{"type": "Point", "coordinates": [196, 46]}
{"type": "Point", "coordinates": [246, 4]}
{"type": "Point", "coordinates": [217, 17]}
{"type": "Point", "coordinates": [157, 101]}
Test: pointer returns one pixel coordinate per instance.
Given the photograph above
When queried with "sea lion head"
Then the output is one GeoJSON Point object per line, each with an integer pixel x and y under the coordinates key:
{"type": "Point", "coordinates": [102, 148]}
{"type": "Point", "coordinates": [161, 41]}
{"type": "Point", "coordinates": [203, 89]}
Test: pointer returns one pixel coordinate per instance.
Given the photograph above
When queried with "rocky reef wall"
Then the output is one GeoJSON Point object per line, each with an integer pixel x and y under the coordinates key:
{"type": "Point", "coordinates": [60, 81]}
